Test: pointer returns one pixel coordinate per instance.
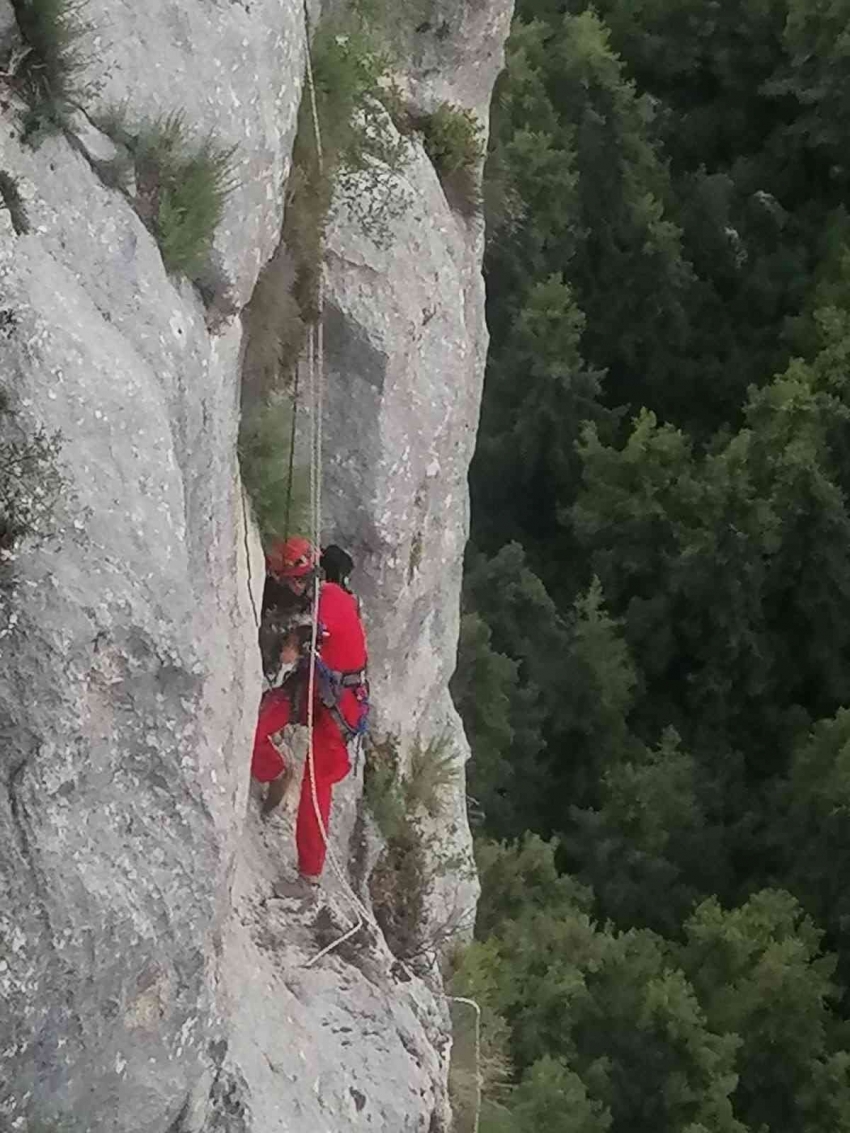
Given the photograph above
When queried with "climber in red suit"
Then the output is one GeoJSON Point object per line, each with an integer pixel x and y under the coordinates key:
{"type": "Point", "coordinates": [340, 695]}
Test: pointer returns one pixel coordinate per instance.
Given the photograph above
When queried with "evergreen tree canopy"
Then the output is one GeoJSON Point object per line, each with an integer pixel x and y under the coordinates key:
{"type": "Point", "coordinates": [654, 668]}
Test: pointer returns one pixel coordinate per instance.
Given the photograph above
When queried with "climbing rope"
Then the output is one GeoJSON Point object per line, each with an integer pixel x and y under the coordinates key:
{"type": "Point", "coordinates": [248, 558]}
{"type": "Point", "coordinates": [287, 526]}
{"type": "Point", "coordinates": [315, 369]}
{"type": "Point", "coordinates": [315, 376]}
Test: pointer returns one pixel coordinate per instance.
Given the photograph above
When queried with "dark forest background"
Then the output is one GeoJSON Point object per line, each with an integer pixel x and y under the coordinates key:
{"type": "Point", "coordinates": [655, 661]}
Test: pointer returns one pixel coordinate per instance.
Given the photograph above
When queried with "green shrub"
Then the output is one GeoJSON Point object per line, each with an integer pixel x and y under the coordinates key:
{"type": "Point", "coordinates": [399, 881]}
{"type": "Point", "coordinates": [453, 140]}
{"type": "Point", "coordinates": [47, 74]}
{"type": "Point", "coordinates": [10, 198]}
{"type": "Point", "coordinates": [265, 440]}
{"type": "Point", "coordinates": [382, 788]}
{"type": "Point", "coordinates": [397, 886]}
{"type": "Point", "coordinates": [361, 157]}
{"type": "Point", "coordinates": [308, 200]}
{"type": "Point", "coordinates": [181, 188]}
{"type": "Point", "coordinates": [393, 799]}
{"type": "Point", "coordinates": [406, 868]}
{"type": "Point", "coordinates": [31, 482]}
{"type": "Point", "coordinates": [433, 768]}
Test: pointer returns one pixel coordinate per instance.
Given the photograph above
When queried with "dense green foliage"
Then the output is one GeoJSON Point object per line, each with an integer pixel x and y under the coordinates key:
{"type": "Point", "coordinates": [181, 190]}
{"type": "Point", "coordinates": [452, 138]}
{"type": "Point", "coordinates": [654, 655]}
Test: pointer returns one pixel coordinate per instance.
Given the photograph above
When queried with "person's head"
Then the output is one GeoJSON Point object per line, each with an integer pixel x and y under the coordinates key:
{"type": "Point", "coordinates": [337, 565]}
{"type": "Point", "coordinates": [293, 563]}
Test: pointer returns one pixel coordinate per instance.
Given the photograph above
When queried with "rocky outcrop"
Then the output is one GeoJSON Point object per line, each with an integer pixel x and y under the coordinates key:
{"type": "Point", "coordinates": [148, 979]}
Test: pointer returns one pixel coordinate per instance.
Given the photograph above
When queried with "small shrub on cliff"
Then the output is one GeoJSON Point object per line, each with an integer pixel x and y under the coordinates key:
{"type": "Point", "coordinates": [181, 188]}
{"type": "Point", "coordinates": [394, 800]}
{"type": "Point", "coordinates": [46, 75]}
{"type": "Point", "coordinates": [433, 768]}
{"type": "Point", "coordinates": [31, 482]}
{"type": "Point", "coordinates": [398, 885]}
{"type": "Point", "coordinates": [408, 863]}
{"type": "Point", "coordinates": [382, 788]}
{"type": "Point", "coordinates": [180, 185]}
{"type": "Point", "coordinates": [453, 140]}
{"type": "Point", "coordinates": [265, 443]}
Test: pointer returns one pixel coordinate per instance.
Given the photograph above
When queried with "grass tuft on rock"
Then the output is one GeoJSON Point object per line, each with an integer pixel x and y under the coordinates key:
{"type": "Point", "coordinates": [454, 141]}
{"type": "Point", "coordinates": [181, 189]}
{"type": "Point", "coordinates": [47, 74]}
{"type": "Point", "coordinates": [433, 769]}
{"type": "Point", "coordinates": [408, 864]}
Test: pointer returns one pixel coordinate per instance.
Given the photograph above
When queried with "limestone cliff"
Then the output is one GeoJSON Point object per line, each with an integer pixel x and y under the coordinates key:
{"type": "Point", "coordinates": [148, 980]}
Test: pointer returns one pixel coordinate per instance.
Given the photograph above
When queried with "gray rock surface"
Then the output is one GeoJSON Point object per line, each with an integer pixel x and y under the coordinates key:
{"type": "Point", "coordinates": [456, 52]}
{"type": "Point", "coordinates": [149, 980]}
{"type": "Point", "coordinates": [129, 682]}
{"type": "Point", "coordinates": [406, 346]}
{"type": "Point", "coordinates": [94, 144]}
{"type": "Point", "coordinates": [8, 28]}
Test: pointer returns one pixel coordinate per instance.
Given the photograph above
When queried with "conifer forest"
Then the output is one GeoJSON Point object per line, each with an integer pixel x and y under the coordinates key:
{"type": "Point", "coordinates": [654, 670]}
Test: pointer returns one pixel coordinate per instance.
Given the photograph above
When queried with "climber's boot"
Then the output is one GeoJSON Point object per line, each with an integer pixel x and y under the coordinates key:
{"type": "Point", "coordinates": [304, 888]}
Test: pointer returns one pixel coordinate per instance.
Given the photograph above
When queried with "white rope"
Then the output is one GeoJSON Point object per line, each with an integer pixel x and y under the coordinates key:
{"type": "Point", "coordinates": [315, 365]}
{"type": "Point", "coordinates": [315, 377]}
{"type": "Point", "coordinates": [248, 556]}
{"type": "Point", "coordinates": [316, 370]}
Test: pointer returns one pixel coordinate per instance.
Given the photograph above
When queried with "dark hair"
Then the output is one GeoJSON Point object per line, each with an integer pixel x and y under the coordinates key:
{"type": "Point", "coordinates": [337, 564]}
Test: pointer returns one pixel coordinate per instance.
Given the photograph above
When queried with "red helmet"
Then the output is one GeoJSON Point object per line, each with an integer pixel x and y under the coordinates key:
{"type": "Point", "coordinates": [292, 558]}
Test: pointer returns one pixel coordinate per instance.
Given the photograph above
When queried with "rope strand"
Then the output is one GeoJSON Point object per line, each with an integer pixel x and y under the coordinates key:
{"type": "Point", "coordinates": [315, 370]}
{"type": "Point", "coordinates": [315, 373]}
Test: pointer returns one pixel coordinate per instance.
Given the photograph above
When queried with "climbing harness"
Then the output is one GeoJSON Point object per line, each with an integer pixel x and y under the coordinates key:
{"type": "Point", "coordinates": [332, 684]}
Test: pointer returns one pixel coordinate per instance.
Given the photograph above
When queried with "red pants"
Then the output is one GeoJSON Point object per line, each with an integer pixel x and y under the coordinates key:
{"type": "Point", "coordinates": [330, 762]}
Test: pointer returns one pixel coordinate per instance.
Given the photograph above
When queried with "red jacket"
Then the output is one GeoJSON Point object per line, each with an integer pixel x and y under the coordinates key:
{"type": "Point", "coordinates": [342, 642]}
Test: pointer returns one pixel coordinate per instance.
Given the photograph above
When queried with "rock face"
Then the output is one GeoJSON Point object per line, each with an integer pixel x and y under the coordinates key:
{"type": "Point", "coordinates": [8, 25]}
{"type": "Point", "coordinates": [149, 981]}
